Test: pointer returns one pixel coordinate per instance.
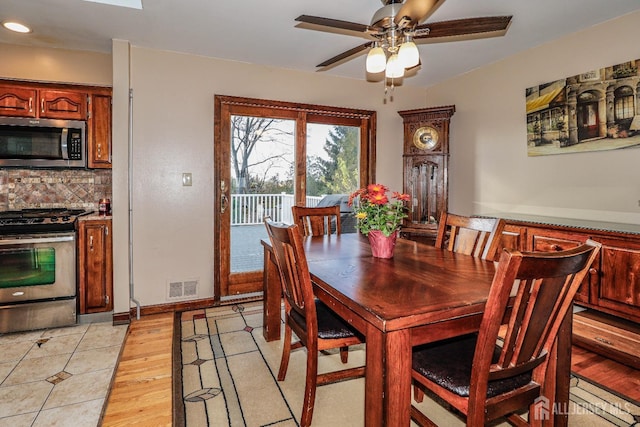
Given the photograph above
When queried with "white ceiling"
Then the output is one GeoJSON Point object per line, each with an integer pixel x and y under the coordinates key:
{"type": "Point", "coordinates": [264, 32]}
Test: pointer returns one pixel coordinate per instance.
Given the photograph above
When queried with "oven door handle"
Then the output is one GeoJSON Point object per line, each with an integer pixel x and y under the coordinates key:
{"type": "Point", "coordinates": [29, 241]}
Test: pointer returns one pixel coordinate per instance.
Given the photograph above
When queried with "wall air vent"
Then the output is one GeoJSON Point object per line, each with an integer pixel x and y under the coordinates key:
{"type": "Point", "coordinates": [182, 289]}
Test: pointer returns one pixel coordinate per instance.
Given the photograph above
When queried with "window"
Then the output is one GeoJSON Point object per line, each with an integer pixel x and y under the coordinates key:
{"type": "Point", "coordinates": [624, 107]}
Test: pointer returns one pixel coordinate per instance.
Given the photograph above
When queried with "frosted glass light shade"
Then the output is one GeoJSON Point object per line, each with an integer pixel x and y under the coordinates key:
{"type": "Point", "coordinates": [395, 68]}
{"type": "Point", "coordinates": [408, 54]}
{"type": "Point", "coordinates": [376, 60]}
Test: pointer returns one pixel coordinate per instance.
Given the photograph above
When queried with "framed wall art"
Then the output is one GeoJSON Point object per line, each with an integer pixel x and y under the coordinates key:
{"type": "Point", "coordinates": [593, 111]}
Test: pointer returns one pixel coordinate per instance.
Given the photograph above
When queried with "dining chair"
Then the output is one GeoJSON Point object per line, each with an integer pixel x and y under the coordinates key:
{"type": "Point", "coordinates": [479, 237]}
{"type": "Point", "coordinates": [501, 368]}
{"type": "Point", "coordinates": [317, 221]}
{"type": "Point", "coordinates": [316, 326]}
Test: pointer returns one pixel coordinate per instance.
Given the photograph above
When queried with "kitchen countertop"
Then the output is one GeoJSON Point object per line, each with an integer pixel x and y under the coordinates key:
{"type": "Point", "coordinates": [93, 216]}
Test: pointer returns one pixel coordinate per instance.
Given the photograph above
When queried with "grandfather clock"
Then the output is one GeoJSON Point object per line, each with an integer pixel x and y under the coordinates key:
{"type": "Point", "coordinates": [425, 173]}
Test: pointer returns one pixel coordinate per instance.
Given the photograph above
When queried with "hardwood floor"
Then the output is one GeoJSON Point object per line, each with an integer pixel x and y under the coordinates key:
{"type": "Point", "coordinates": [142, 389]}
{"type": "Point", "coordinates": [617, 377]}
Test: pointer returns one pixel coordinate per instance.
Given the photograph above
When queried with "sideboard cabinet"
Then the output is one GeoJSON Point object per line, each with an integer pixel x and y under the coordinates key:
{"type": "Point", "coordinates": [611, 290]}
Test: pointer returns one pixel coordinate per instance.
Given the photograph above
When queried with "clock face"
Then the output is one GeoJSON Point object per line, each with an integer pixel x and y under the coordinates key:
{"type": "Point", "coordinates": [426, 138]}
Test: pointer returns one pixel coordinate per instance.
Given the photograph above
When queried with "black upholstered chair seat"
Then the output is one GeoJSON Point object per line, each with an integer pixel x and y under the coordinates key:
{"type": "Point", "coordinates": [330, 326]}
{"type": "Point", "coordinates": [448, 364]}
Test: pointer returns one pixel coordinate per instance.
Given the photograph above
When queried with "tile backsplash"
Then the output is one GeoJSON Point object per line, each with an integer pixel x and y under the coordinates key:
{"type": "Point", "coordinates": [53, 188]}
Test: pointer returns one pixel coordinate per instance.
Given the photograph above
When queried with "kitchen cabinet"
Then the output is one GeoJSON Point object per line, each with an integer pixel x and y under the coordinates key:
{"type": "Point", "coordinates": [95, 266]}
{"type": "Point", "coordinates": [99, 131]}
{"type": "Point", "coordinates": [611, 290]}
{"type": "Point", "coordinates": [16, 101]}
{"type": "Point", "coordinates": [91, 104]}
{"type": "Point", "coordinates": [20, 101]}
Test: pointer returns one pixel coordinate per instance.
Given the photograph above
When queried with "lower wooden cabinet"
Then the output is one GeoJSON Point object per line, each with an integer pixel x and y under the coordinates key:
{"type": "Point", "coordinates": [95, 268]}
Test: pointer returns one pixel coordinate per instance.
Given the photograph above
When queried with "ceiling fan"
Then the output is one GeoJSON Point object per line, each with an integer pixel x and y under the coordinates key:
{"type": "Point", "coordinates": [396, 26]}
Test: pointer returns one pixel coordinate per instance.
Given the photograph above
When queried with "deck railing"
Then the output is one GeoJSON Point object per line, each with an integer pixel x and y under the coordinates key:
{"type": "Point", "coordinates": [249, 209]}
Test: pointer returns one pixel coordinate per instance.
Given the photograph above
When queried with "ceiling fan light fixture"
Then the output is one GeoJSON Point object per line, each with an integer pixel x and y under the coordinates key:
{"type": "Point", "coordinates": [408, 53]}
{"type": "Point", "coordinates": [376, 60]}
{"type": "Point", "coordinates": [395, 68]}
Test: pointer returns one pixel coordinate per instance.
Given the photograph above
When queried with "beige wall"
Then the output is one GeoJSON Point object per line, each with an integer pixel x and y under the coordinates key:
{"type": "Point", "coordinates": [173, 133]}
{"type": "Point", "coordinates": [490, 170]}
{"type": "Point", "coordinates": [54, 65]}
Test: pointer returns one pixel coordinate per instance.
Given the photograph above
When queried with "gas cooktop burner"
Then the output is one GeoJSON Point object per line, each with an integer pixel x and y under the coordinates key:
{"type": "Point", "coordinates": [39, 220]}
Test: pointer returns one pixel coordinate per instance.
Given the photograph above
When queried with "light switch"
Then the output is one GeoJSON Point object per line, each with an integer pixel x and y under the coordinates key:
{"type": "Point", "coordinates": [186, 179]}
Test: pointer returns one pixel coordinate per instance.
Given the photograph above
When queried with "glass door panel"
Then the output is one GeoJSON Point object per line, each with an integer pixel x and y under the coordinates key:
{"type": "Point", "coordinates": [27, 267]}
{"type": "Point", "coordinates": [333, 167]}
{"type": "Point", "coordinates": [262, 167]}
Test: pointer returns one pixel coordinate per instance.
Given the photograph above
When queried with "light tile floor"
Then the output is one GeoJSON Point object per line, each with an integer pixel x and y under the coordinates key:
{"type": "Point", "coordinates": [57, 377]}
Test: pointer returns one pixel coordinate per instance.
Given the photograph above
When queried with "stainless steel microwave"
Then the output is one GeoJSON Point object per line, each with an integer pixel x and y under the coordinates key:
{"type": "Point", "coordinates": [45, 143]}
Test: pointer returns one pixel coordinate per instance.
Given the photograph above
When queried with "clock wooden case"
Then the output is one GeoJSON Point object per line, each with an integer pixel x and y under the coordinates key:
{"type": "Point", "coordinates": [425, 173]}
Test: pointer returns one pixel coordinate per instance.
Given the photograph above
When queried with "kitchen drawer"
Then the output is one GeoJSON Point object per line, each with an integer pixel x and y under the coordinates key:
{"type": "Point", "coordinates": [610, 336]}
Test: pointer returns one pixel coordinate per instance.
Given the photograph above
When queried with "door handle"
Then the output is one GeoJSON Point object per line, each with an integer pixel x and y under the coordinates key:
{"type": "Point", "coordinates": [224, 200]}
{"type": "Point", "coordinates": [224, 203]}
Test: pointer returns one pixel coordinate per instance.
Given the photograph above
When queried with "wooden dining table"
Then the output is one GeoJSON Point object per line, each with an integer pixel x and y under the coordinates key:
{"type": "Point", "coordinates": [421, 295]}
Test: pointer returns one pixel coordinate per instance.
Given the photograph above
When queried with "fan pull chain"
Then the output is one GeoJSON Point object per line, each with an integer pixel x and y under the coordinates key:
{"type": "Point", "coordinates": [388, 92]}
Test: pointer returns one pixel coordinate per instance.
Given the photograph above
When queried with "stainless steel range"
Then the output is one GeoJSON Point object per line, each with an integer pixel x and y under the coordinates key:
{"type": "Point", "coordinates": [37, 268]}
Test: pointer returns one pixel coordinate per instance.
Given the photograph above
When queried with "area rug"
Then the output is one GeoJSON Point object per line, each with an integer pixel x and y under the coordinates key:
{"type": "Point", "coordinates": [229, 379]}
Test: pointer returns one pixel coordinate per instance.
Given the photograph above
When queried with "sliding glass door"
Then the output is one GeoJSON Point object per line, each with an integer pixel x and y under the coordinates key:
{"type": "Point", "coordinates": [269, 156]}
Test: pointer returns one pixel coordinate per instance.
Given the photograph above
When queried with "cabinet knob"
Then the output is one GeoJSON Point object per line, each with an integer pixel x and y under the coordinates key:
{"type": "Point", "coordinates": [31, 104]}
{"type": "Point", "coordinates": [91, 242]}
{"type": "Point", "coordinates": [593, 271]}
{"type": "Point", "coordinates": [556, 248]}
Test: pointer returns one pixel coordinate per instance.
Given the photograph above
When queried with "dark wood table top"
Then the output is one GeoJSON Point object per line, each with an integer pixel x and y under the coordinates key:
{"type": "Point", "coordinates": [420, 284]}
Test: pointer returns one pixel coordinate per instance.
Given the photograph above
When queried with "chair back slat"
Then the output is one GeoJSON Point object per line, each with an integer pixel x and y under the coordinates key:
{"type": "Point", "coordinates": [317, 221]}
{"type": "Point", "coordinates": [478, 237]}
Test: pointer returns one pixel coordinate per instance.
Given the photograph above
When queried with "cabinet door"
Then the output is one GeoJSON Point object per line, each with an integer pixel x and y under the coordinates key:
{"type": "Point", "coordinates": [556, 244]}
{"type": "Point", "coordinates": [425, 181]}
{"type": "Point", "coordinates": [620, 282]}
{"type": "Point", "coordinates": [61, 104]}
{"type": "Point", "coordinates": [513, 237]}
{"type": "Point", "coordinates": [96, 272]}
{"type": "Point", "coordinates": [18, 101]}
{"type": "Point", "coordinates": [99, 138]}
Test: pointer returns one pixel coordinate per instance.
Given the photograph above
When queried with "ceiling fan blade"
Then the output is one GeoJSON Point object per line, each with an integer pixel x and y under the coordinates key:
{"type": "Point", "coordinates": [463, 27]}
{"type": "Point", "coordinates": [333, 23]}
{"type": "Point", "coordinates": [344, 56]}
{"type": "Point", "coordinates": [413, 12]}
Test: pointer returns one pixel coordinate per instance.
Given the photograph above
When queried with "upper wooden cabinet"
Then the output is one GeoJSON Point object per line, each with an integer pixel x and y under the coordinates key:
{"type": "Point", "coordinates": [99, 131]}
{"type": "Point", "coordinates": [18, 101]}
{"type": "Point", "coordinates": [71, 102]}
{"type": "Point", "coordinates": [62, 104]}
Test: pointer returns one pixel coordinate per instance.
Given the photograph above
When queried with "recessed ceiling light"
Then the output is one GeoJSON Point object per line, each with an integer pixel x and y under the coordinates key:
{"type": "Point", "coordinates": [17, 27]}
